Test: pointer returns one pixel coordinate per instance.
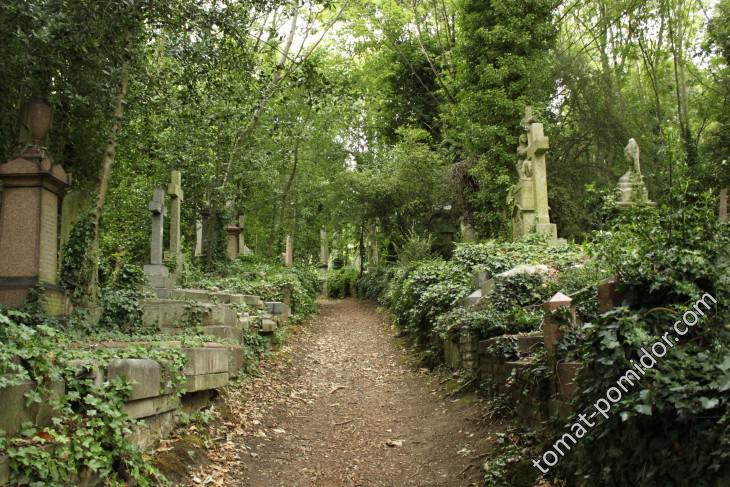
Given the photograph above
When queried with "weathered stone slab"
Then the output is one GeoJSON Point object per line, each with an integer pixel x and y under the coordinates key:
{"type": "Point", "coordinates": [473, 299]}
{"type": "Point", "coordinates": [153, 429]}
{"type": "Point", "coordinates": [207, 381]}
{"type": "Point", "coordinates": [268, 325]}
{"type": "Point", "coordinates": [221, 314]}
{"type": "Point", "coordinates": [236, 360]}
{"type": "Point", "coordinates": [151, 406]}
{"type": "Point", "coordinates": [144, 375]}
{"type": "Point", "coordinates": [14, 411]}
{"type": "Point", "coordinates": [164, 312]}
{"type": "Point", "coordinates": [225, 332]}
{"type": "Point", "coordinates": [87, 370]}
{"type": "Point", "coordinates": [277, 308]}
{"type": "Point", "coordinates": [205, 361]}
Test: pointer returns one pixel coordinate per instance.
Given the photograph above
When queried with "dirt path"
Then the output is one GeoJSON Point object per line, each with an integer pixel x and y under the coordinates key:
{"type": "Point", "coordinates": [341, 406]}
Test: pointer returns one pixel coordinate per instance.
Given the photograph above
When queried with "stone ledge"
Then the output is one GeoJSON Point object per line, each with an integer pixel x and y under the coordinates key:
{"type": "Point", "coordinates": [152, 406]}
{"type": "Point", "coordinates": [144, 374]}
{"type": "Point", "coordinates": [206, 381]}
{"type": "Point", "coordinates": [205, 360]}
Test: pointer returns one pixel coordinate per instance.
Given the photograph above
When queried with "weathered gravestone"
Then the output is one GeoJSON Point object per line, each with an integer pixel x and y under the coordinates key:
{"type": "Point", "coordinates": [174, 189]}
{"type": "Point", "coordinates": [324, 248]}
{"type": "Point", "coordinates": [289, 254]}
{"type": "Point", "coordinates": [722, 210]}
{"type": "Point", "coordinates": [242, 248]}
{"type": "Point", "coordinates": [631, 189]}
{"type": "Point", "coordinates": [198, 238]}
{"type": "Point", "coordinates": [157, 272]}
{"type": "Point", "coordinates": [233, 232]}
{"type": "Point", "coordinates": [531, 213]}
{"type": "Point", "coordinates": [30, 186]}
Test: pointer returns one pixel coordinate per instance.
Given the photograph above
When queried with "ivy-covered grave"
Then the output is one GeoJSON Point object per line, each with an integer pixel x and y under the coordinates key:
{"type": "Point", "coordinates": [84, 396]}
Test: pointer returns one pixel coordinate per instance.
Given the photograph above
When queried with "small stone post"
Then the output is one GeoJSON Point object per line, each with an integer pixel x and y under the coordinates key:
{"type": "Point", "coordinates": [550, 328]}
{"type": "Point", "coordinates": [289, 254]}
{"type": "Point", "coordinates": [722, 212]}
{"type": "Point", "coordinates": [608, 295]}
{"type": "Point", "coordinates": [156, 271]}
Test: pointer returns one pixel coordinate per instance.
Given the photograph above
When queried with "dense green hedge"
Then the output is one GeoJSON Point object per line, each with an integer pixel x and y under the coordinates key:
{"type": "Point", "coordinates": [263, 277]}
{"type": "Point", "coordinates": [342, 283]}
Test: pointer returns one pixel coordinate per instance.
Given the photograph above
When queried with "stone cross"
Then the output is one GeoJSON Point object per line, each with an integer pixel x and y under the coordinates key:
{"type": "Point", "coordinates": [174, 189]}
{"type": "Point", "coordinates": [157, 208]}
{"type": "Point", "coordinates": [537, 146]}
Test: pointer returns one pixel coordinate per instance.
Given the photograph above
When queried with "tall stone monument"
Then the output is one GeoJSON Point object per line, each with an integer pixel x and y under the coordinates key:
{"type": "Point", "coordinates": [234, 233]}
{"type": "Point", "coordinates": [174, 189]}
{"type": "Point", "coordinates": [30, 187]}
{"type": "Point", "coordinates": [242, 248]}
{"type": "Point", "coordinates": [198, 238]}
{"type": "Point", "coordinates": [157, 272]}
{"type": "Point", "coordinates": [631, 189]}
{"type": "Point", "coordinates": [531, 212]}
{"type": "Point", "coordinates": [324, 248]}
{"type": "Point", "coordinates": [289, 254]}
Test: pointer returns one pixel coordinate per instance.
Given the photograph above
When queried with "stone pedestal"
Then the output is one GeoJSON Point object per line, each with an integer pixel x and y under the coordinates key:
{"type": "Point", "coordinates": [631, 190]}
{"type": "Point", "coordinates": [29, 202]}
{"type": "Point", "coordinates": [233, 243]}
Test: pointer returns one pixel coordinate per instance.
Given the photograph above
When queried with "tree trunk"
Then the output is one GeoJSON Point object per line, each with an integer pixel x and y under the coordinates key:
{"type": "Point", "coordinates": [105, 170]}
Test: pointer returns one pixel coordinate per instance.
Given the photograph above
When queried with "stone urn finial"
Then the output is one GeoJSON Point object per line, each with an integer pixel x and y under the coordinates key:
{"type": "Point", "coordinates": [39, 118]}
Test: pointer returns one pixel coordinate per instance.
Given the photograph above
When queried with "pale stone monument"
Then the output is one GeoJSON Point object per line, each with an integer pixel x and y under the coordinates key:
{"type": "Point", "coordinates": [174, 189]}
{"type": "Point", "coordinates": [234, 233]}
{"type": "Point", "coordinates": [289, 254]}
{"type": "Point", "coordinates": [324, 248]}
{"type": "Point", "coordinates": [531, 213]}
{"type": "Point", "coordinates": [242, 248]}
{"type": "Point", "coordinates": [30, 186]}
{"type": "Point", "coordinates": [722, 210]}
{"type": "Point", "coordinates": [157, 272]}
{"type": "Point", "coordinates": [198, 238]}
{"type": "Point", "coordinates": [631, 189]}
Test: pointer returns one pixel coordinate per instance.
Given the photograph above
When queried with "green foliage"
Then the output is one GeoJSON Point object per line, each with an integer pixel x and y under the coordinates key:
{"type": "Point", "coordinates": [374, 282]}
{"type": "Point", "coordinates": [75, 273]}
{"type": "Point", "coordinates": [121, 299]}
{"type": "Point", "coordinates": [342, 283]}
{"type": "Point", "coordinates": [416, 248]}
{"type": "Point", "coordinates": [500, 68]}
{"type": "Point", "coordinates": [665, 259]}
{"type": "Point", "coordinates": [89, 432]}
{"type": "Point", "coordinates": [262, 277]}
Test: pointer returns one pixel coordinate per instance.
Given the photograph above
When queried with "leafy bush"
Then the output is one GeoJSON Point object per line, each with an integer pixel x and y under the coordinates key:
{"type": "Point", "coordinates": [374, 282]}
{"type": "Point", "coordinates": [677, 419]}
{"type": "Point", "coordinates": [342, 283]}
{"type": "Point", "coordinates": [416, 248]}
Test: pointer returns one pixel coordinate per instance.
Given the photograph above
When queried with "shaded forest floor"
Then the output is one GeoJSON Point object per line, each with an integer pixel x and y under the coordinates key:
{"type": "Point", "coordinates": [340, 405]}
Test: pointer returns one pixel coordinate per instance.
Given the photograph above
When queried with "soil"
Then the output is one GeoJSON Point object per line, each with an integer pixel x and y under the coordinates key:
{"type": "Point", "coordinates": [343, 405]}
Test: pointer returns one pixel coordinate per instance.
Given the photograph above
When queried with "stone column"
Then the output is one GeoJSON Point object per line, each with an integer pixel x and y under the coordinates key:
{"type": "Point", "coordinates": [198, 238]}
{"type": "Point", "coordinates": [156, 271]}
{"type": "Point", "coordinates": [242, 248]}
{"type": "Point", "coordinates": [234, 233]}
{"type": "Point", "coordinates": [722, 212]}
{"type": "Point", "coordinates": [550, 328]}
{"type": "Point", "coordinates": [324, 248]}
{"type": "Point", "coordinates": [174, 189]}
{"type": "Point", "coordinates": [30, 186]}
{"type": "Point", "coordinates": [289, 254]}
{"type": "Point", "coordinates": [206, 231]}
